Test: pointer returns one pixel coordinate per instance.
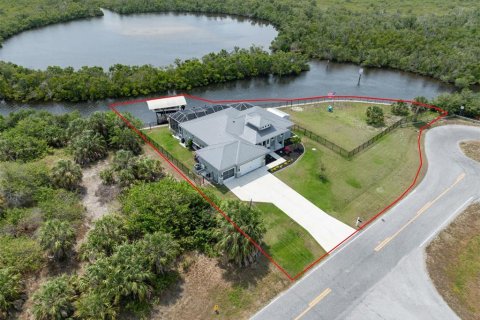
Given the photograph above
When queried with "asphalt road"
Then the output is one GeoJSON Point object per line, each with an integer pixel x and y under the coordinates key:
{"type": "Point", "coordinates": [379, 274]}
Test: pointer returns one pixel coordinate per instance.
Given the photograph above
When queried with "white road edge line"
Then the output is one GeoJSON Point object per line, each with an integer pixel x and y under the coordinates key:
{"type": "Point", "coordinates": [445, 222]}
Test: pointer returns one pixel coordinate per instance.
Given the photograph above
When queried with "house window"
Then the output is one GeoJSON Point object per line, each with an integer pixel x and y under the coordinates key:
{"type": "Point", "coordinates": [228, 174]}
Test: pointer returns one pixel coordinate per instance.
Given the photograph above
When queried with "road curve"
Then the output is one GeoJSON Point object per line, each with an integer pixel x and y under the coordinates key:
{"type": "Point", "coordinates": [365, 278]}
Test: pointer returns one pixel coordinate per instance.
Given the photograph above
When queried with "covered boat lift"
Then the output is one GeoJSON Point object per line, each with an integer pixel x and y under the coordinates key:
{"type": "Point", "coordinates": [165, 106]}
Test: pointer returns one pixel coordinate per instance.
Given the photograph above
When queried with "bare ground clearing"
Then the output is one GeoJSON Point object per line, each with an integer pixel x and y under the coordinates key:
{"type": "Point", "coordinates": [206, 282]}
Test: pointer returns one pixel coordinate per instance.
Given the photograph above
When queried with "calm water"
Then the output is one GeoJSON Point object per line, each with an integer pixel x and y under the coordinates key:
{"type": "Point", "coordinates": [156, 39]}
{"type": "Point", "coordinates": [160, 38]}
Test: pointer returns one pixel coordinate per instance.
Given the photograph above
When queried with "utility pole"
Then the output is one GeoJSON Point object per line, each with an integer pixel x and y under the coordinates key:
{"type": "Point", "coordinates": [360, 72]}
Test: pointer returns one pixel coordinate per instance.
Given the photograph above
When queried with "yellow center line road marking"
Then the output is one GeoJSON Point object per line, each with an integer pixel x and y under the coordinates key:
{"type": "Point", "coordinates": [314, 302]}
{"type": "Point", "coordinates": [427, 205]}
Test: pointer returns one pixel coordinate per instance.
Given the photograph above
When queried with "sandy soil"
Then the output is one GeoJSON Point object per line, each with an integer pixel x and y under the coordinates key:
{"type": "Point", "coordinates": [444, 256]}
{"type": "Point", "coordinates": [206, 283]}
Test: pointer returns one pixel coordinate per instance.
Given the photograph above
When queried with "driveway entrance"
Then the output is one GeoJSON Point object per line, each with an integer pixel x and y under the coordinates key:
{"type": "Point", "coordinates": [262, 186]}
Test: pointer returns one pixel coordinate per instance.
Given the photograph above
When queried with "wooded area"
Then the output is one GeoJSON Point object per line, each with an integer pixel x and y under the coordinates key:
{"type": "Point", "coordinates": [442, 44]}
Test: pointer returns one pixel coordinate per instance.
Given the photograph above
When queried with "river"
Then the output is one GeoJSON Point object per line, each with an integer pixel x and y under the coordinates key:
{"type": "Point", "coordinates": [160, 38]}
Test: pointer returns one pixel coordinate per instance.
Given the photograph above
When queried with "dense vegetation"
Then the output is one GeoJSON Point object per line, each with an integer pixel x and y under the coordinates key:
{"type": "Point", "coordinates": [441, 43]}
{"type": "Point", "coordinates": [129, 256]}
{"type": "Point", "coordinates": [94, 83]}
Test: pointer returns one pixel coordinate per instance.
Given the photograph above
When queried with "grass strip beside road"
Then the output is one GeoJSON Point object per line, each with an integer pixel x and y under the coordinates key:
{"type": "Point", "coordinates": [453, 262]}
{"type": "Point", "coordinates": [286, 241]}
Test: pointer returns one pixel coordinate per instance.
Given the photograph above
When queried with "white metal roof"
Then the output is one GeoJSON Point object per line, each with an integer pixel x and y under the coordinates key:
{"type": "Point", "coordinates": [164, 103]}
{"type": "Point", "coordinates": [279, 113]}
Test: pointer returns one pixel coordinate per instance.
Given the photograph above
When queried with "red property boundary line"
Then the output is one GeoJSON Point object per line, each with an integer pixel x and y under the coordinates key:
{"type": "Point", "coordinates": [442, 112]}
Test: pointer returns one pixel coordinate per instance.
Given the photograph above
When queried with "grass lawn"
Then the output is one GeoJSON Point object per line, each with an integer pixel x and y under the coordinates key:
{"type": "Point", "coordinates": [286, 241]}
{"type": "Point", "coordinates": [163, 136]}
{"type": "Point", "coordinates": [345, 126]}
{"type": "Point", "coordinates": [358, 187]}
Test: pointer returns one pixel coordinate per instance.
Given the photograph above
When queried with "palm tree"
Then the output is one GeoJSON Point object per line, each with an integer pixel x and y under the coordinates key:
{"type": "Point", "coordinates": [66, 174]}
{"type": "Point", "coordinates": [108, 233]}
{"type": "Point", "coordinates": [93, 305]}
{"type": "Point", "coordinates": [57, 237]}
{"type": "Point", "coordinates": [232, 243]}
{"type": "Point", "coordinates": [89, 147]}
{"type": "Point", "coordinates": [9, 288]}
{"type": "Point", "coordinates": [54, 299]}
{"type": "Point", "coordinates": [160, 250]}
{"type": "Point", "coordinates": [125, 274]}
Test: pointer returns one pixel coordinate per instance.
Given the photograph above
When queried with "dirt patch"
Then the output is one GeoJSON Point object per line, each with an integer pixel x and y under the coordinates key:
{"type": "Point", "coordinates": [205, 282]}
{"type": "Point", "coordinates": [94, 199]}
{"type": "Point", "coordinates": [471, 149]}
{"type": "Point", "coordinates": [453, 262]}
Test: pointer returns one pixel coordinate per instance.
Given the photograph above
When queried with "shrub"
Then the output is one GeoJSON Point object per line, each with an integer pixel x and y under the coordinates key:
{"type": "Point", "coordinates": [59, 204]}
{"type": "Point", "coordinates": [108, 232]}
{"type": "Point", "coordinates": [400, 109]}
{"type": "Point", "coordinates": [125, 274]}
{"type": "Point", "coordinates": [55, 298]}
{"type": "Point", "coordinates": [160, 250]}
{"type": "Point", "coordinates": [10, 288]}
{"type": "Point", "coordinates": [20, 221]}
{"type": "Point", "coordinates": [88, 147]}
{"type": "Point", "coordinates": [22, 254]}
{"type": "Point", "coordinates": [57, 238]}
{"type": "Point", "coordinates": [16, 146]}
{"type": "Point", "coordinates": [375, 116]}
{"type": "Point", "coordinates": [172, 207]}
{"type": "Point", "coordinates": [93, 305]}
{"type": "Point", "coordinates": [67, 175]}
{"type": "Point", "coordinates": [20, 182]}
{"type": "Point", "coordinates": [107, 176]}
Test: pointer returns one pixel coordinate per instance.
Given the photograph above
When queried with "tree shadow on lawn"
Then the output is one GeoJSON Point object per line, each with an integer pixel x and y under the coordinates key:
{"type": "Point", "coordinates": [248, 276]}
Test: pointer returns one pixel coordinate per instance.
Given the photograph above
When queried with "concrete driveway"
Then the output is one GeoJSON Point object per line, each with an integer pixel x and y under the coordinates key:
{"type": "Point", "coordinates": [262, 186]}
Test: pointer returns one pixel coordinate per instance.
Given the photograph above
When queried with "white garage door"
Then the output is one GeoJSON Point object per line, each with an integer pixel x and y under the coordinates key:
{"type": "Point", "coordinates": [250, 166]}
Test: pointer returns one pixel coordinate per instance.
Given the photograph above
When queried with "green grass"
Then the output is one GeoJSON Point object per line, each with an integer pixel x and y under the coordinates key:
{"type": "Point", "coordinates": [361, 186]}
{"type": "Point", "coordinates": [467, 269]}
{"type": "Point", "coordinates": [287, 242]}
{"type": "Point", "coordinates": [345, 126]}
{"type": "Point", "coordinates": [164, 137]}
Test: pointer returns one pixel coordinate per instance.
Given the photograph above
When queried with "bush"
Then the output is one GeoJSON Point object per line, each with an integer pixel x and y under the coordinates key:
{"type": "Point", "coordinates": [19, 183]}
{"type": "Point", "coordinates": [375, 116]}
{"type": "Point", "coordinates": [107, 176]}
{"type": "Point", "coordinates": [67, 175]}
{"type": "Point", "coordinates": [55, 298]}
{"type": "Point", "coordinates": [108, 233]}
{"type": "Point", "coordinates": [10, 288]}
{"type": "Point", "coordinates": [125, 274]}
{"type": "Point", "coordinates": [57, 238]}
{"type": "Point", "coordinates": [400, 109]}
{"type": "Point", "coordinates": [20, 221]}
{"type": "Point", "coordinates": [60, 204]}
{"type": "Point", "coordinates": [93, 305]}
{"type": "Point", "coordinates": [16, 146]}
{"type": "Point", "coordinates": [22, 254]}
{"type": "Point", "coordinates": [172, 207]}
{"type": "Point", "coordinates": [127, 169]}
{"type": "Point", "coordinates": [88, 147]}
